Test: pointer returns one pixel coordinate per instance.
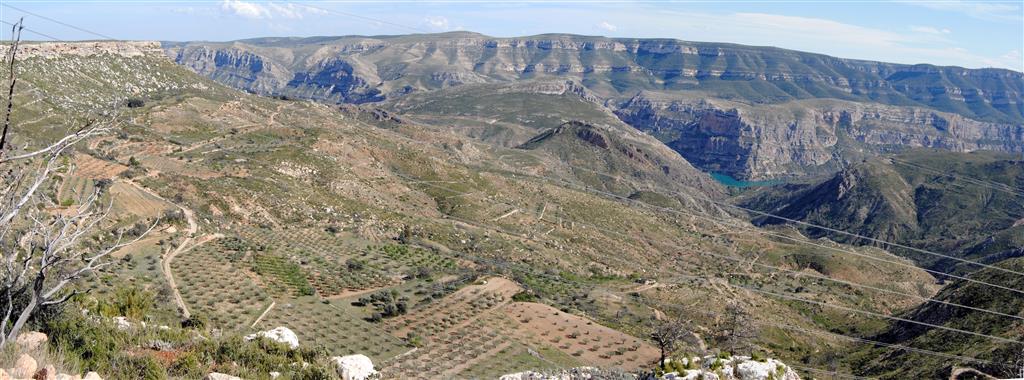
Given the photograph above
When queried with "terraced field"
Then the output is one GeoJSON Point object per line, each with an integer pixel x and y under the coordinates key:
{"type": "Point", "coordinates": [74, 189]}
{"type": "Point", "coordinates": [213, 282]}
{"type": "Point", "coordinates": [92, 167]}
{"type": "Point", "coordinates": [577, 336]}
{"type": "Point", "coordinates": [130, 200]}
{"type": "Point", "coordinates": [318, 323]}
{"type": "Point", "coordinates": [339, 266]}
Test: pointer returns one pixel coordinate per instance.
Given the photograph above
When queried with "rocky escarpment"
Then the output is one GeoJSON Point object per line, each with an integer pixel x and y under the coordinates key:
{"type": "Point", "coordinates": [355, 69]}
{"type": "Point", "coordinates": [89, 48]}
{"type": "Point", "coordinates": [803, 137]}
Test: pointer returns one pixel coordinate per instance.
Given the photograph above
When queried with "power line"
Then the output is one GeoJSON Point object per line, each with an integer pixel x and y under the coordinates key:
{"type": "Point", "coordinates": [365, 18]}
{"type": "Point", "coordinates": [740, 260]}
{"type": "Point", "coordinates": [41, 34]}
{"type": "Point", "coordinates": [969, 179]}
{"type": "Point", "coordinates": [880, 241]}
{"type": "Point", "coordinates": [761, 231]}
{"type": "Point", "coordinates": [707, 279]}
{"type": "Point", "coordinates": [60, 22]}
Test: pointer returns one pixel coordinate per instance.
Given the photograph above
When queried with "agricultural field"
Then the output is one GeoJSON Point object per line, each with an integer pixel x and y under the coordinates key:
{"type": "Point", "coordinates": [320, 323]}
{"type": "Point", "coordinates": [578, 336]}
{"type": "Point", "coordinates": [131, 200]}
{"type": "Point", "coordinates": [74, 189]}
{"type": "Point", "coordinates": [477, 332]}
{"type": "Point", "coordinates": [457, 309]}
{"type": "Point", "coordinates": [214, 282]}
{"type": "Point", "coordinates": [91, 167]}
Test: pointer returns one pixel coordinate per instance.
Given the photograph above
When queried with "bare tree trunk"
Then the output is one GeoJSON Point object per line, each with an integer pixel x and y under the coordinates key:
{"type": "Point", "coordinates": [12, 79]}
{"type": "Point", "coordinates": [37, 288]}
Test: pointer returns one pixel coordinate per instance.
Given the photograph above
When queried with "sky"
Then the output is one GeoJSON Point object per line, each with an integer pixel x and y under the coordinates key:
{"type": "Point", "coordinates": [971, 34]}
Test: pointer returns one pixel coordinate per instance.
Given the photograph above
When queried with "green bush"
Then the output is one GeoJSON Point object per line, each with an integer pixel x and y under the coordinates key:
{"type": "Point", "coordinates": [127, 366]}
{"type": "Point", "coordinates": [187, 366]}
{"type": "Point", "coordinates": [130, 302]}
{"type": "Point", "coordinates": [758, 356]}
{"type": "Point", "coordinates": [524, 296]}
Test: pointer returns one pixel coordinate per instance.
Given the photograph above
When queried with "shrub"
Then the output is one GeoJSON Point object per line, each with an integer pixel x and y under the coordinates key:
{"type": "Point", "coordinates": [187, 366]}
{"type": "Point", "coordinates": [758, 356]}
{"type": "Point", "coordinates": [126, 366]}
{"type": "Point", "coordinates": [130, 302]}
{"type": "Point", "coordinates": [524, 296]}
{"type": "Point", "coordinates": [196, 321]}
{"type": "Point", "coordinates": [135, 103]}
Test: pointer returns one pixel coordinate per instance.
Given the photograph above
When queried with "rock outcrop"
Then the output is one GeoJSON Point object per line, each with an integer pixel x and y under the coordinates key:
{"type": "Point", "coordinates": [280, 334]}
{"type": "Point", "coordinates": [24, 367]}
{"type": "Point", "coordinates": [89, 48]}
{"type": "Point", "coordinates": [31, 340]}
{"type": "Point", "coordinates": [734, 368]}
{"type": "Point", "coordinates": [353, 367]}
{"type": "Point", "coordinates": [805, 136]}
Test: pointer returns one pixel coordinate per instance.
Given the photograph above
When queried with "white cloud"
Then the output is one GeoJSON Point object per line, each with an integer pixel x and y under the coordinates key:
{"type": "Point", "coordinates": [437, 23]}
{"type": "Point", "coordinates": [270, 10]}
{"type": "Point", "coordinates": [245, 9]}
{"type": "Point", "coordinates": [607, 26]}
{"type": "Point", "coordinates": [1004, 11]}
{"type": "Point", "coordinates": [929, 30]}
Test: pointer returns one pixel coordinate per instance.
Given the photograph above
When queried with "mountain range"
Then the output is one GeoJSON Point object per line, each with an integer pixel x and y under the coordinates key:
{"type": "Point", "coordinates": [748, 112]}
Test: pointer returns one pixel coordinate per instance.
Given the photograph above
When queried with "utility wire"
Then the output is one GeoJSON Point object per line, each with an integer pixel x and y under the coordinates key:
{"type": "Point", "coordinates": [868, 238]}
{"type": "Point", "coordinates": [41, 34]}
{"type": "Point", "coordinates": [365, 18]}
{"type": "Point", "coordinates": [761, 231]}
{"type": "Point", "coordinates": [708, 280]}
{"type": "Point", "coordinates": [101, 35]}
{"type": "Point", "coordinates": [742, 260]}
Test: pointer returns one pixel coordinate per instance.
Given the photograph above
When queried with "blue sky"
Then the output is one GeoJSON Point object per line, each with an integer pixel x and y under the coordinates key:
{"type": "Point", "coordinates": [945, 32]}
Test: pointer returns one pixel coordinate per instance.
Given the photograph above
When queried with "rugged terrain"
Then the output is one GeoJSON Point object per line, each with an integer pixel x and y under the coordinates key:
{"type": "Point", "coordinates": [748, 112]}
{"type": "Point", "coordinates": [515, 238]}
{"type": "Point", "coordinates": [963, 205]}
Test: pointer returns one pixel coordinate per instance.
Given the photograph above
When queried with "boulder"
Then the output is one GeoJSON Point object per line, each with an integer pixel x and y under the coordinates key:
{"type": "Point", "coordinates": [735, 368]}
{"type": "Point", "coordinates": [220, 376]}
{"type": "Point", "coordinates": [47, 373]}
{"type": "Point", "coordinates": [281, 334]}
{"type": "Point", "coordinates": [768, 369]}
{"type": "Point", "coordinates": [122, 323]}
{"type": "Point", "coordinates": [25, 367]}
{"type": "Point", "coordinates": [274, 375]}
{"type": "Point", "coordinates": [64, 376]}
{"type": "Point", "coordinates": [353, 367]}
{"type": "Point", "coordinates": [92, 376]}
{"type": "Point", "coordinates": [31, 340]}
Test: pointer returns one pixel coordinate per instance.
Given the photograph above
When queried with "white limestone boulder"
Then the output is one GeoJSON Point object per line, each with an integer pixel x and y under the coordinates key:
{"type": "Point", "coordinates": [353, 367]}
{"type": "Point", "coordinates": [122, 323]}
{"type": "Point", "coordinates": [280, 334]}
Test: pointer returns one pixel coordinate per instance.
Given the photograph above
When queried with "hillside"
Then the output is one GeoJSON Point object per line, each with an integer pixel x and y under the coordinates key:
{"type": "Point", "coordinates": [1000, 359]}
{"type": "Point", "coordinates": [322, 218]}
{"type": "Point", "coordinates": [965, 205]}
{"type": "Point", "coordinates": [749, 112]}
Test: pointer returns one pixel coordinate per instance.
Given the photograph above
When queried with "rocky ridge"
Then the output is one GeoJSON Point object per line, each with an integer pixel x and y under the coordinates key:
{"type": "Point", "coordinates": [806, 136]}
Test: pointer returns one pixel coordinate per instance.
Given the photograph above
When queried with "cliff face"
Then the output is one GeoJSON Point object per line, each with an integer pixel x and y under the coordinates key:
{"type": "Point", "coordinates": [750, 112]}
{"type": "Point", "coordinates": [88, 48]}
{"type": "Point", "coordinates": [805, 136]}
{"type": "Point", "coordinates": [612, 67]}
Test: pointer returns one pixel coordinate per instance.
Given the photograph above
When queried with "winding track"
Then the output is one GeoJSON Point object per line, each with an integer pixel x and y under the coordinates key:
{"type": "Point", "coordinates": [190, 233]}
